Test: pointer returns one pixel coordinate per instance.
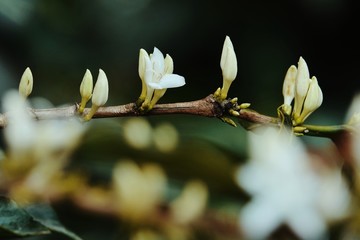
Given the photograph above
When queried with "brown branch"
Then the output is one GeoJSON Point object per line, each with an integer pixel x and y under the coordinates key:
{"type": "Point", "coordinates": [206, 107]}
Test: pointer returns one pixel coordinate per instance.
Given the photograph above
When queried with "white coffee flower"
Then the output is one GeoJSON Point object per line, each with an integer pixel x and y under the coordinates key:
{"type": "Point", "coordinates": [158, 74]}
{"type": "Point", "coordinates": [285, 189]}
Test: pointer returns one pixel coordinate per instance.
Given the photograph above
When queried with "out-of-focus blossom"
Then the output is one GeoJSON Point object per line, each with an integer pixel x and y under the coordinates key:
{"type": "Point", "coordinates": [138, 132]}
{"type": "Point", "coordinates": [191, 204]}
{"type": "Point", "coordinates": [353, 113]}
{"type": "Point", "coordinates": [165, 137]}
{"type": "Point", "coordinates": [353, 120]}
{"type": "Point", "coordinates": [146, 234]}
{"type": "Point", "coordinates": [286, 189]}
{"type": "Point", "coordinates": [36, 150]}
{"type": "Point", "coordinates": [138, 190]}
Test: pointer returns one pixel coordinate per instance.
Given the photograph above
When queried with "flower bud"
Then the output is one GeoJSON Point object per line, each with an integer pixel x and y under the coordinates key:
{"type": "Point", "coordinates": [86, 88]}
{"type": "Point", "coordinates": [100, 94]}
{"type": "Point", "coordinates": [289, 85]}
{"type": "Point", "coordinates": [312, 102]}
{"type": "Point", "coordinates": [26, 83]}
{"type": "Point", "coordinates": [101, 90]}
{"type": "Point", "coordinates": [143, 55]}
{"type": "Point", "coordinates": [301, 86]}
{"type": "Point", "coordinates": [142, 64]}
{"type": "Point", "coordinates": [228, 64]}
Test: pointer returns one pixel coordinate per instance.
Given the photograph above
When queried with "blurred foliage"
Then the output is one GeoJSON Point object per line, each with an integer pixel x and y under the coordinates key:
{"type": "Point", "coordinates": [60, 39]}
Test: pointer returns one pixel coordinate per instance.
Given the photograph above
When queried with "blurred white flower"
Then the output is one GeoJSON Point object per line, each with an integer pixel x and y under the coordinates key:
{"type": "Point", "coordinates": [191, 203]}
{"type": "Point", "coordinates": [285, 189]}
{"type": "Point", "coordinates": [138, 132]}
{"type": "Point", "coordinates": [33, 145]}
{"type": "Point", "coordinates": [166, 137]}
{"type": "Point", "coordinates": [138, 190]}
{"type": "Point", "coordinates": [353, 119]}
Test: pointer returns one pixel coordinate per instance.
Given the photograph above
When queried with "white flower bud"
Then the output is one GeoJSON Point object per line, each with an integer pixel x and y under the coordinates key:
{"type": "Point", "coordinates": [101, 90]}
{"type": "Point", "coordinates": [86, 86]}
{"type": "Point", "coordinates": [312, 102]}
{"type": "Point", "coordinates": [301, 87]}
{"type": "Point", "coordinates": [26, 83]}
{"type": "Point", "coordinates": [228, 64]}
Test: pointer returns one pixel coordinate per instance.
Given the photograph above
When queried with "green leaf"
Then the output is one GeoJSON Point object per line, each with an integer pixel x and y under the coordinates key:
{"type": "Point", "coordinates": [15, 221]}
{"type": "Point", "coordinates": [44, 214]}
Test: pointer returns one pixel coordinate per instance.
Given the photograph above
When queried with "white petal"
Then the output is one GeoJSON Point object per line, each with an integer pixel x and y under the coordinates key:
{"type": "Point", "coordinates": [289, 85]}
{"type": "Point", "coordinates": [20, 132]}
{"type": "Point", "coordinates": [142, 63]}
{"type": "Point", "coordinates": [259, 219]}
{"type": "Point", "coordinates": [227, 44]}
{"type": "Point", "coordinates": [169, 65]}
{"type": "Point", "coordinates": [149, 72]}
{"type": "Point", "coordinates": [169, 81]}
{"type": "Point", "coordinates": [302, 83]}
{"type": "Point", "coordinates": [158, 61]}
{"type": "Point", "coordinates": [307, 224]}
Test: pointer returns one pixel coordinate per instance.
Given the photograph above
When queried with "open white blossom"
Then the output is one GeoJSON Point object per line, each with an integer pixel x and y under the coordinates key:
{"type": "Point", "coordinates": [285, 189]}
{"type": "Point", "coordinates": [158, 73]}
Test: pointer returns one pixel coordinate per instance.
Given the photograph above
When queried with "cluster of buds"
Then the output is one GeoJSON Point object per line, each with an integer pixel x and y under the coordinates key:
{"type": "Point", "coordinates": [98, 96]}
{"type": "Point", "coordinates": [156, 74]}
{"type": "Point", "coordinates": [305, 92]}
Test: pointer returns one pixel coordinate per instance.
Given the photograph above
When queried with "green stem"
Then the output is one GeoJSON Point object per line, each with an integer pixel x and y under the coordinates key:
{"type": "Point", "coordinates": [324, 131]}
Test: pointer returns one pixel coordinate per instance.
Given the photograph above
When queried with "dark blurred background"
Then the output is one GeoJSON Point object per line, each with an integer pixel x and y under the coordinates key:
{"type": "Point", "coordinates": [58, 40]}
